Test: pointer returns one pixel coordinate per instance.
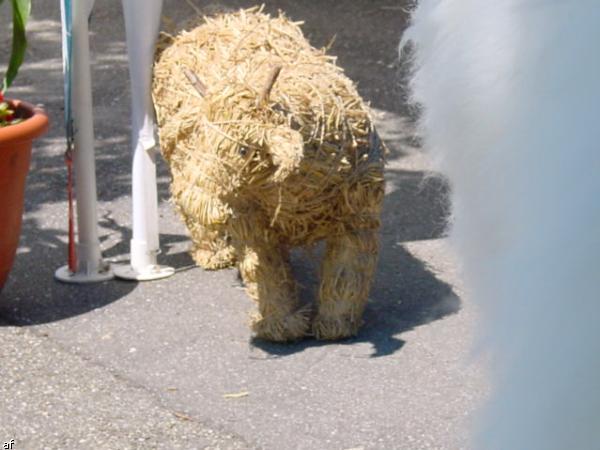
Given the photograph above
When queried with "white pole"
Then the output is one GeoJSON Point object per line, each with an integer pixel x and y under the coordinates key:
{"type": "Point", "coordinates": [90, 266]}
{"type": "Point", "coordinates": [142, 20]}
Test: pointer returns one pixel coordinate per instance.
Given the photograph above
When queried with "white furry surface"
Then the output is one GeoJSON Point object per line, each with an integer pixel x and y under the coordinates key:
{"type": "Point", "coordinates": [511, 96]}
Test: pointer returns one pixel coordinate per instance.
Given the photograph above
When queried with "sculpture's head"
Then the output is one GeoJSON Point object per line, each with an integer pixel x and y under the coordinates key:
{"type": "Point", "coordinates": [240, 146]}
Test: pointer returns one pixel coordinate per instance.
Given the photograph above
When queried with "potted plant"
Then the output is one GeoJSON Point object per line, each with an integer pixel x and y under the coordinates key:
{"type": "Point", "coordinates": [20, 124]}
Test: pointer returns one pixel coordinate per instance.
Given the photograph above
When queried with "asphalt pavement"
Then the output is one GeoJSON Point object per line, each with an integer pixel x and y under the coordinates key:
{"type": "Point", "coordinates": [171, 364]}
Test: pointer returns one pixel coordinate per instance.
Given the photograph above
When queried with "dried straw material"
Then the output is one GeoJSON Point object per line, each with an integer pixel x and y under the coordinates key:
{"type": "Point", "coordinates": [270, 146]}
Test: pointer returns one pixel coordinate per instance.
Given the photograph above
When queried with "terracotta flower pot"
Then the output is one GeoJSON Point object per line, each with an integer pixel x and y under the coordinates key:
{"type": "Point", "coordinates": [15, 154]}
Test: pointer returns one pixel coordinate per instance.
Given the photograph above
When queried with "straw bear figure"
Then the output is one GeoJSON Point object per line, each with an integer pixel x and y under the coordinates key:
{"type": "Point", "coordinates": [270, 147]}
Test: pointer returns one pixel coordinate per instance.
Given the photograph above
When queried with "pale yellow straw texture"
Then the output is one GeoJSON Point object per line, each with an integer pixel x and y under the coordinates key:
{"type": "Point", "coordinates": [257, 171]}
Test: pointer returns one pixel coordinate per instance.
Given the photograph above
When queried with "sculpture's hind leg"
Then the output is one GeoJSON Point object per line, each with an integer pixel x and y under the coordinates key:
{"type": "Point", "coordinates": [211, 248]}
{"type": "Point", "coordinates": [267, 275]}
{"type": "Point", "coordinates": [346, 275]}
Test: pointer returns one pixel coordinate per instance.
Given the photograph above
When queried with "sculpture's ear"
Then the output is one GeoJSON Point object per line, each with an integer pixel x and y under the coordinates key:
{"type": "Point", "coordinates": [286, 148]}
{"type": "Point", "coordinates": [195, 81]}
{"type": "Point", "coordinates": [263, 97]}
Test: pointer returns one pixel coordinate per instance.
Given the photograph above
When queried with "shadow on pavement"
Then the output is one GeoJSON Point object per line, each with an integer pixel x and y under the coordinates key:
{"type": "Point", "coordinates": [32, 296]}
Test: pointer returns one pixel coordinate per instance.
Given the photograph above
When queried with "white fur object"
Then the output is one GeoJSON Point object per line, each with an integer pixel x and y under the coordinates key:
{"type": "Point", "coordinates": [511, 97]}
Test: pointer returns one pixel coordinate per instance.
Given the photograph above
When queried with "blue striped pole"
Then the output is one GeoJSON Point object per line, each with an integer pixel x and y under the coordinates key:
{"type": "Point", "coordinates": [89, 266]}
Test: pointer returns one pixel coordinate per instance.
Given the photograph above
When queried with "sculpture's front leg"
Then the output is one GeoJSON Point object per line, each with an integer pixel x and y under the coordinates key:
{"type": "Point", "coordinates": [267, 274]}
{"type": "Point", "coordinates": [346, 276]}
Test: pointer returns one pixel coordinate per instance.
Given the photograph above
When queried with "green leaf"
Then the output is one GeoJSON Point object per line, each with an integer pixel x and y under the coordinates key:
{"type": "Point", "coordinates": [21, 10]}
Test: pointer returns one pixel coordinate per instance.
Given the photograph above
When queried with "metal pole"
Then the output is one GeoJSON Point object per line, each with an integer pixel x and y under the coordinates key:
{"type": "Point", "coordinates": [90, 267]}
{"type": "Point", "coordinates": [142, 20]}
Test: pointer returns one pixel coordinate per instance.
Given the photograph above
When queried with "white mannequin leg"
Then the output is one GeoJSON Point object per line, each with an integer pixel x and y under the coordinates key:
{"type": "Point", "coordinates": [142, 19]}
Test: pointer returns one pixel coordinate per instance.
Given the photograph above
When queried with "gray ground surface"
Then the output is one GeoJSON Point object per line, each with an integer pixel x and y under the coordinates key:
{"type": "Point", "coordinates": [126, 365]}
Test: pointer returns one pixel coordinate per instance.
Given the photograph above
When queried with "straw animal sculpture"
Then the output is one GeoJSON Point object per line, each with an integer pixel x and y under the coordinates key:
{"type": "Point", "coordinates": [271, 147]}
